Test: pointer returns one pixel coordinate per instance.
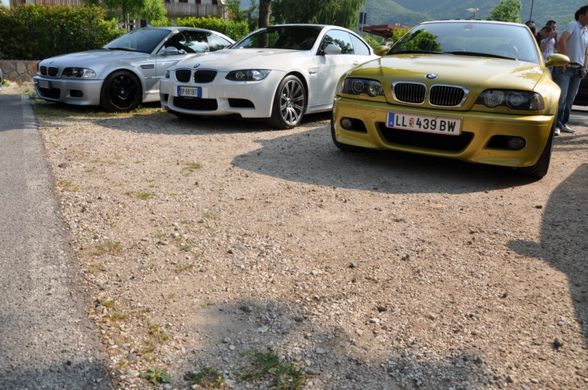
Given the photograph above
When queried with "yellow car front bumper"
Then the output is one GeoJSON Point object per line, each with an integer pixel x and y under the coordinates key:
{"type": "Point", "coordinates": [484, 135]}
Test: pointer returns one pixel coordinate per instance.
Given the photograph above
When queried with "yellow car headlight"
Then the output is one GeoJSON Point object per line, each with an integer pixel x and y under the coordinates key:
{"type": "Point", "coordinates": [517, 100]}
{"type": "Point", "coordinates": [358, 86]}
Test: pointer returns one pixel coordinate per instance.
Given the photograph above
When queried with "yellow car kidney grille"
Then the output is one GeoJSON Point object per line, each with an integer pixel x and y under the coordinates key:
{"type": "Point", "coordinates": [409, 92]}
{"type": "Point", "coordinates": [446, 95]}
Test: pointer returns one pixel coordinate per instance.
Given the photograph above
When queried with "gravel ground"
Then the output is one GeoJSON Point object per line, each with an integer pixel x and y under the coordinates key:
{"type": "Point", "coordinates": [205, 241]}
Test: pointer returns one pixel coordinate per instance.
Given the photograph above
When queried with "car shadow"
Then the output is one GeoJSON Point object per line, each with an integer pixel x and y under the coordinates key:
{"type": "Point", "coordinates": [562, 243]}
{"type": "Point", "coordinates": [329, 357]}
{"type": "Point", "coordinates": [311, 157]}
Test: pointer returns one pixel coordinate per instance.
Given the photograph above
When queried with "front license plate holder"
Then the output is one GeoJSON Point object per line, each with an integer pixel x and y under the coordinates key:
{"type": "Point", "coordinates": [184, 91]}
{"type": "Point", "coordinates": [46, 84]}
{"type": "Point", "coordinates": [424, 124]}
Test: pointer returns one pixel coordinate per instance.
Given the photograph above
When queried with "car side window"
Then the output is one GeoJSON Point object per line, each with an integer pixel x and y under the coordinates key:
{"type": "Point", "coordinates": [339, 38]}
{"type": "Point", "coordinates": [359, 46]}
{"type": "Point", "coordinates": [188, 42]}
{"type": "Point", "coordinates": [216, 42]}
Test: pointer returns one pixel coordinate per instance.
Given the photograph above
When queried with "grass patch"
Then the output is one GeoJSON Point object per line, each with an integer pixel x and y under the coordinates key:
{"type": "Point", "coordinates": [107, 302]}
{"type": "Point", "coordinates": [267, 366]}
{"type": "Point", "coordinates": [141, 195]}
{"type": "Point", "coordinates": [157, 335]}
{"type": "Point", "coordinates": [156, 376]}
{"type": "Point", "coordinates": [108, 247]}
{"type": "Point", "coordinates": [191, 168]}
{"type": "Point", "coordinates": [67, 185]}
{"type": "Point", "coordinates": [208, 378]}
{"type": "Point", "coordinates": [117, 316]}
{"type": "Point", "coordinates": [95, 268]}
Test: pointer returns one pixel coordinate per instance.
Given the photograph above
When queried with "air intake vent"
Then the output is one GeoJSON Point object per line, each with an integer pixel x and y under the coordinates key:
{"type": "Point", "coordinates": [204, 76]}
{"type": "Point", "coordinates": [409, 92]}
{"type": "Point", "coordinates": [183, 75]}
{"type": "Point", "coordinates": [445, 95]}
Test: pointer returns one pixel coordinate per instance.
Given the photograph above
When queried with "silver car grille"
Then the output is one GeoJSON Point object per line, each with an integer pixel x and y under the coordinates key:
{"type": "Point", "coordinates": [439, 95]}
{"type": "Point", "coordinates": [183, 75]}
{"type": "Point", "coordinates": [49, 71]}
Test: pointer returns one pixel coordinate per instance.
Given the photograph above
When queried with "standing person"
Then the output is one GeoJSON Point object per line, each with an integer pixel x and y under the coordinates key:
{"type": "Point", "coordinates": [573, 43]}
{"type": "Point", "coordinates": [546, 37]}
{"type": "Point", "coordinates": [532, 27]}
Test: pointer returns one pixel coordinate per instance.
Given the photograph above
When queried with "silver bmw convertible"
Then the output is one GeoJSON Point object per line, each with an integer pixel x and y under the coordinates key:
{"type": "Point", "coordinates": [126, 71]}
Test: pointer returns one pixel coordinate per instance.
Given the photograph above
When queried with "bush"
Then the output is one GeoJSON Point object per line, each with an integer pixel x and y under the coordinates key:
{"type": "Point", "coordinates": [235, 30]}
{"type": "Point", "coordinates": [34, 32]}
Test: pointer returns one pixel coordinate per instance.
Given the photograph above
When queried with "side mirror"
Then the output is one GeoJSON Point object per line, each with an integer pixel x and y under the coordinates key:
{"type": "Point", "coordinates": [332, 49]}
{"type": "Point", "coordinates": [381, 50]}
{"type": "Point", "coordinates": [171, 51]}
{"type": "Point", "coordinates": [557, 60]}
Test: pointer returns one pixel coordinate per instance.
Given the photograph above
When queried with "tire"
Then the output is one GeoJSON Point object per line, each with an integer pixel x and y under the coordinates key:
{"type": "Point", "coordinates": [121, 92]}
{"type": "Point", "coordinates": [343, 147]}
{"type": "Point", "coordinates": [289, 103]}
{"type": "Point", "coordinates": [540, 168]}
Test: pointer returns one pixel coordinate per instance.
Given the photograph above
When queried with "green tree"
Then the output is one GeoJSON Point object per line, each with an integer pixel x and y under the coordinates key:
{"type": "Point", "coordinates": [507, 11]}
{"type": "Point", "coordinates": [153, 10]}
{"type": "Point", "coordinates": [338, 12]}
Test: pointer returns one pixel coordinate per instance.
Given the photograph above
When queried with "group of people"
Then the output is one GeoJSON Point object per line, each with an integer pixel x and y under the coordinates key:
{"type": "Point", "coordinates": [573, 42]}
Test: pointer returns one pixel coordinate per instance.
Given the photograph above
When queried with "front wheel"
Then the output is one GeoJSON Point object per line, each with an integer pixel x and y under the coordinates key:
{"type": "Point", "coordinates": [540, 168]}
{"type": "Point", "coordinates": [121, 92]}
{"type": "Point", "coordinates": [289, 103]}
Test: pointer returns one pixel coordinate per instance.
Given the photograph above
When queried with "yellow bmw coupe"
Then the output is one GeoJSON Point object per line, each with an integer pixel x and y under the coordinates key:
{"type": "Point", "coordinates": [477, 91]}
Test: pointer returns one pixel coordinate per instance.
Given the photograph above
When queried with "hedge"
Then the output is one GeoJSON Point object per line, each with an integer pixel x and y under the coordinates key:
{"type": "Point", "coordinates": [34, 32]}
{"type": "Point", "coordinates": [235, 30]}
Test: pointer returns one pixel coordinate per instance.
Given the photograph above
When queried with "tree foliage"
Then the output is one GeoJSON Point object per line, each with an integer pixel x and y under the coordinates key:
{"type": "Point", "coordinates": [34, 32]}
{"type": "Point", "coordinates": [338, 12]}
{"type": "Point", "coordinates": [507, 11]}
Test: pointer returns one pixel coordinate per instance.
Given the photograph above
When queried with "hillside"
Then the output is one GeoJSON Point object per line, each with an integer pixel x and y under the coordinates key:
{"type": "Point", "coordinates": [410, 12]}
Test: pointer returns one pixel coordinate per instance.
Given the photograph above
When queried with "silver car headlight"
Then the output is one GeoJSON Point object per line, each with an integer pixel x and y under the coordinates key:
{"type": "Point", "coordinates": [78, 73]}
{"type": "Point", "coordinates": [357, 86]}
{"type": "Point", "coordinates": [518, 100]}
{"type": "Point", "coordinates": [248, 75]}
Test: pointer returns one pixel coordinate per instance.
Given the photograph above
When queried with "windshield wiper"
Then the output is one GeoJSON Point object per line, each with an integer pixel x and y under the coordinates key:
{"type": "Point", "coordinates": [121, 48]}
{"type": "Point", "coordinates": [476, 54]}
{"type": "Point", "coordinates": [415, 52]}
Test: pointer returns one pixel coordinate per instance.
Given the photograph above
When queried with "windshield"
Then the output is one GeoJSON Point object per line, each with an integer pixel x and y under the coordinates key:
{"type": "Point", "coordinates": [281, 37]}
{"type": "Point", "coordinates": [145, 40]}
{"type": "Point", "coordinates": [481, 39]}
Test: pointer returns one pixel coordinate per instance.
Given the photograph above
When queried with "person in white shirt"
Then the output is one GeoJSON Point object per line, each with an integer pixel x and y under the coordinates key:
{"type": "Point", "coordinates": [547, 41]}
{"type": "Point", "coordinates": [573, 43]}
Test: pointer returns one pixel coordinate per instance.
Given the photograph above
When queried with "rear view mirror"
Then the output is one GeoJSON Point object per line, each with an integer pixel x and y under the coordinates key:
{"type": "Point", "coordinates": [381, 50]}
{"type": "Point", "coordinates": [332, 49]}
{"type": "Point", "coordinates": [170, 51]}
{"type": "Point", "coordinates": [557, 60]}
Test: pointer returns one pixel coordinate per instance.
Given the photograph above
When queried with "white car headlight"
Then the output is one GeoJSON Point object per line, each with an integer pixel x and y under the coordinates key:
{"type": "Point", "coordinates": [78, 73]}
{"type": "Point", "coordinates": [518, 100]}
{"type": "Point", "coordinates": [248, 75]}
{"type": "Point", "coordinates": [357, 86]}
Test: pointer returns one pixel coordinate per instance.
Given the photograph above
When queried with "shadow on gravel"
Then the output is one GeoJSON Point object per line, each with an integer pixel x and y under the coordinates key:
{"type": "Point", "coordinates": [310, 157]}
{"type": "Point", "coordinates": [81, 375]}
{"type": "Point", "coordinates": [564, 243]}
{"type": "Point", "coordinates": [328, 357]}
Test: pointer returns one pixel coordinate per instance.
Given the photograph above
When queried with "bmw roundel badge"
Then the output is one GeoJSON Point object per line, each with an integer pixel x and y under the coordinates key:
{"type": "Point", "coordinates": [196, 66]}
{"type": "Point", "coordinates": [431, 76]}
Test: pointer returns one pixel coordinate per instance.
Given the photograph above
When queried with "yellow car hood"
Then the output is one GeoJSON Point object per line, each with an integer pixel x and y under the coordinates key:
{"type": "Point", "coordinates": [473, 73]}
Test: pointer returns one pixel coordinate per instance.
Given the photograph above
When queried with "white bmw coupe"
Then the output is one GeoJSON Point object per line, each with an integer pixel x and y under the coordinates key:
{"type": "Point", "coordinates": [279, 73]}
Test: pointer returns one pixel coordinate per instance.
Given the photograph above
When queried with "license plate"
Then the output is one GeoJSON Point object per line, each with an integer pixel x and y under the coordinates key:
{"type": "Point", "coordinates": [426, 124]}
{"type": "Point", "coordinates": [44, 84]}
{"type": "Point", "coordinates": [189, 91]}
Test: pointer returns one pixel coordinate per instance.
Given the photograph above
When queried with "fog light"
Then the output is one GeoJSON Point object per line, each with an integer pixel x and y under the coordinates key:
{"type": "Point", "coordinates": [347, 123]}
{"type": "Point", "coordinates": [516, 143]}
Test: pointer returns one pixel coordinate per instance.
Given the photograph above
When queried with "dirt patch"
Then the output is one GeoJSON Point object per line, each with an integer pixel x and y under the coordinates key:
{"type": "Point", "coordinates": [208, 241]}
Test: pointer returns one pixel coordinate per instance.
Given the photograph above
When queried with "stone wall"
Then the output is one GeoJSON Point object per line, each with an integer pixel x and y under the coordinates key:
{"type": "Point", "coordinates": [18, 70]}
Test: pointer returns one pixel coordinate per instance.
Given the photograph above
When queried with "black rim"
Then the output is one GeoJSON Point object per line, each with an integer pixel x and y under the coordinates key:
{"type": "Point", "coordinates": [292, 102]}
{"type": "Point", "coordinates": [123, 92]}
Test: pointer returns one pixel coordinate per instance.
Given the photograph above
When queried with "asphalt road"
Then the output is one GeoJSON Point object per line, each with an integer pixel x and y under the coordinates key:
{"type": "Point", "coordinates": [46, 338]}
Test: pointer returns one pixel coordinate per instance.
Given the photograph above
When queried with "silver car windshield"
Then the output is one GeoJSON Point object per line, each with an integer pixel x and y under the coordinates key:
{"type": "Point", "coordinates": [281, 37]}
{"type": "Point", "coordinates": [144, 41]}
{"type": "Point", "coordinates": [474, 39]}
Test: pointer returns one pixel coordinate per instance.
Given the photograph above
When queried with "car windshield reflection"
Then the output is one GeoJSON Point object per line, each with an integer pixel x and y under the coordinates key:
{"type": "Point", "coordinates": [144, 40]}
{"type": "Point", "coordinates": [283, 37]}
{"type": "Point", "coordinates": [473, 39]}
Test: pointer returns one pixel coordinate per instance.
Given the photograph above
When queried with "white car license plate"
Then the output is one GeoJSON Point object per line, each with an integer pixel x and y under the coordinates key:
{"type": "Point", "coordinates": [426, 124]}
{"type": "Point", "coordinates": [189, 91]}
{"type": "Point", "coordinates": [44, 84]}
